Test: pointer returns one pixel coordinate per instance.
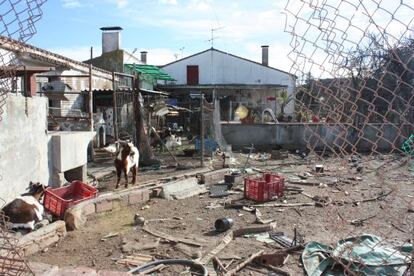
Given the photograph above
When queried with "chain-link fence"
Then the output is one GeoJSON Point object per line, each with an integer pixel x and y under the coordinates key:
{"type": "Point", "coordinates": [17, 21]}
{"type": "Point", "coordinates": [355, 68]}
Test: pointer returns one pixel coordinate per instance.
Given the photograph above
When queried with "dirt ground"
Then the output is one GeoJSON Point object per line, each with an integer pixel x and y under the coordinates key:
{"type": "Point", "coordinates": [341, 186]}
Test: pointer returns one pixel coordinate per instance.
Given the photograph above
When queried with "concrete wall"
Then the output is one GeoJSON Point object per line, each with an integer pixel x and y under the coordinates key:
{"type": "Point", "coordinates": [293, 136]}
{"type": "Point", "coordinates": [24, 145]}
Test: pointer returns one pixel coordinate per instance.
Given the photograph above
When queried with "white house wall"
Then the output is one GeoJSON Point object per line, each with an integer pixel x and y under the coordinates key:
{"type": "Point", "coordinates": [223, 69]}
{"type": "Point", "coordinates": [227, 69]}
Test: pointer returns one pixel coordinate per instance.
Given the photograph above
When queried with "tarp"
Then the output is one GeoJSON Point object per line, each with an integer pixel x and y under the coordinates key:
{"type": "Point", "coordinates": [362, 255]}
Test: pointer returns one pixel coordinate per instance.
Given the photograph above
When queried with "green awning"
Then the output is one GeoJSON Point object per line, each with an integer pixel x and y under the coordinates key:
{"type": "Point", "coordinates": [149, 70]}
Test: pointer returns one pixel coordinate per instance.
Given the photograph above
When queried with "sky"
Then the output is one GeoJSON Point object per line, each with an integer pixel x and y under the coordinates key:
{"type": "Point", "coordinates": [167, 29]}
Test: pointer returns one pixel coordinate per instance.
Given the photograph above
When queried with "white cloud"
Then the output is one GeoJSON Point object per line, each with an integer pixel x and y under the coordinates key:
{"type": "Point", "coordinates": [170, 2]}
{"type": "Point", "coordinates": [121, 4]}
{"type": "Point", "coordinates": [70, 4]}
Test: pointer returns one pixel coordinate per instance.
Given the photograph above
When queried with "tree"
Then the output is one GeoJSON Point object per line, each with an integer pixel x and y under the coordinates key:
{"type": "Point", "coordinates": [284, 99]}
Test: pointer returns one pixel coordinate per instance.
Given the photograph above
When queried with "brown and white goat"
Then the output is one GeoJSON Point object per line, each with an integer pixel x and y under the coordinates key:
{"type": "Point", "coordinates": [126, 160]}
{"type": "Point", "coordinates": [25, 211]}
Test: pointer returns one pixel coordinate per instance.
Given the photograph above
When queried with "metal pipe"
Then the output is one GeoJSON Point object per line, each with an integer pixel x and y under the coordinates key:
{"type": "Point", "coordinates": [184, 262]}
{"type": "Point", "coordinates": [90, 93]}
{"type": "Point", "coordinates": [202, 129]}
{"type": "Point", "coordinates": [114, 101]}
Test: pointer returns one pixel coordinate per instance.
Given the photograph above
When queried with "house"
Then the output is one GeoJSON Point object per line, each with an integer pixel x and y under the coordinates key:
{"type": "Point", "coordinates": [234, 80]}
{"type": "Point", "coordinates": [46, 88]}
{"type": "Point", "coordinates": [126, 67]}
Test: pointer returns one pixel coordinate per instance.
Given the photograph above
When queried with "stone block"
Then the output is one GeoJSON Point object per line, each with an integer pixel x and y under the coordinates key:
{"type": "Point", "coordinates": [42, 238]}
{"type": "Point", "coordinates": [89, 209]}
{"type": "Point", "coordinates": [182, 189]}
{"type": "Point", "coordinates": [104, 205]}
{"type": "Point", "coordinates": [123, 200]}
{"type": "Point", "coordinates": [76, 271]}
{"type": "Point", "coordinates": [41, 269]}
{"type": "Point", "coordinates": [145, 195]}
{"type": "Point", "coordinates": [135, 197]}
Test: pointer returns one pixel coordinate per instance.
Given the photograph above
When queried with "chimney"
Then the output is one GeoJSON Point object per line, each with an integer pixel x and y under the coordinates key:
{"type": "Point", "coordinates": [144, 57]}
{"type": "Point", "coordinates": [111, 39]}
{"type": "Point", "coordinates": [265, 55]}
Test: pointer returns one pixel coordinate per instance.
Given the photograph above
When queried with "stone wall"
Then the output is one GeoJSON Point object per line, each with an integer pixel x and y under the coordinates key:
{"type": "Point", "coordinates": [294, 136]}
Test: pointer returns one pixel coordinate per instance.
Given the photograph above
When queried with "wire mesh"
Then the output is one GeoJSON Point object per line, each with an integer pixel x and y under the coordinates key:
{"type": "Point", "coordinates": [354, 65]}
{"type": "Point", "coordinates": [17, 21]}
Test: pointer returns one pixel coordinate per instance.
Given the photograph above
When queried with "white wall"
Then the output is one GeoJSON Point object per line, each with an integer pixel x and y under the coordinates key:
{"type": "Point", "coordinates": [228, 69]}
{"type": "Point", "coordinates": [23, 145]}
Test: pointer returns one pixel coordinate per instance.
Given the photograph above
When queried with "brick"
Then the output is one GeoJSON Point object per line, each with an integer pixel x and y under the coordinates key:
{"type": "Point", "coordinates": [116, 204]}
{"type": "Point", "coordinates": [135, 197]}
{"type": "Point", "coordinates": [156, 192]}
{"type": "Point", "coordinates": [145, 195]}
{"type": "Point", "coordinates": [89, 209]}
{"type": "Point", "coordinates": [103, 206]}
{"type": "Point", "coordinates": [124, 200]}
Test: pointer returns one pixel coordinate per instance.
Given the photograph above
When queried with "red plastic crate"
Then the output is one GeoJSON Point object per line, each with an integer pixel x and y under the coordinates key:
{"type": "Point", "coordinates": [56, 201]}
{"type": "Point", "coordinates": [264, 188]}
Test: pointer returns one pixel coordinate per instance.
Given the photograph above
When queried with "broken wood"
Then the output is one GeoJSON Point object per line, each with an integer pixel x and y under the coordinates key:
{"type": "Point", "coordinates": [135, 260]}
{"type": "Point", "coordinates": [219, 265]}
{"type": "Point", "coordinates": [399, 228]}
{"type": "Point", "coordinates": [276, 259]}
{"type": "Point", "coordinates": [224, 242]}
{"type": "Point", "coordinates": [131, 246]}
{"type": "Point", "coordinates": [360, 222]}
{"type": "Point", "coordinates": [153, 269]}
{"type": "Point", "coordinates": [259, 218]}
{"type": "Point", "coordinates": [244, 263]}
{"type": "Point", "coordinates": [110, 235]}
{"type": "Point", "coordinates": [253, 230]}
{"type": "Point", "coordinates": [279, 271]}
{"type": "Point", "coordinates": [170, 238]}
{"type": "Point", "coordinates": [285, 204]}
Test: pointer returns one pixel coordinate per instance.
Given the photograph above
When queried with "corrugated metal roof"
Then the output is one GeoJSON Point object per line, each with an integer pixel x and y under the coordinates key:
{"type": "Point", "coordinates": [149, 70]}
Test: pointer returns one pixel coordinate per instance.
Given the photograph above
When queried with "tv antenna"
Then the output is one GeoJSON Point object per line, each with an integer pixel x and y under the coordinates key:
{"type": "Point", "coordinates": [214, 37]}
{"type": "Point", "coordinates": [182, 51]}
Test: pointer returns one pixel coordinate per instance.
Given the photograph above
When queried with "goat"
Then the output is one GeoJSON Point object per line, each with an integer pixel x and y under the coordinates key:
{"type": "Point", "coordinates": [173, 142]}
{"type": "Point", "coordinates": [26, 210]}
{"type": "Point", "coordinates": [126, 160]}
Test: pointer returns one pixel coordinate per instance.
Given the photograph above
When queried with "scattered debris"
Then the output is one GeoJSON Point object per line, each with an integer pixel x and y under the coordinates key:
{"type": "Point", "coordinates": [319, 168]}
{"type": "Point", "coordinates": [135, 260]}
{"type": "Point", "coordinates": [365, 255]}
{"type": "Point", "coordinates": [132, 246]}
{"type": "Point", "coordinates": [223, 224]}
{"type": "Point", "coordinates": [150, 266]}
{"type": "Point", "coordinates": [253, 230]}
{"type": "Point", "coordinates": [259, 218]}
{"type": "Point", "coordinates": [275, 259]}
{"type": "Point", "coordinates": [139, 220]}
{"type": "Point", "coordinates": [110, 235]}
{"type": "Point", "coordinates": [244, 263]}
{"type": "Point", "coordinates": [170, 238]}
{"type": "Point", "coordinates": [188, 251]}
{"type": "Point", "coordinates": [224, 242]}
{"type": "Point", "coordinates": [219, 190]}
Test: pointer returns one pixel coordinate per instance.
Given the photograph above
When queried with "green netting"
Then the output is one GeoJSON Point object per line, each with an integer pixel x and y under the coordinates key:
{"type": "Point", "coordinates": [149, 70]}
